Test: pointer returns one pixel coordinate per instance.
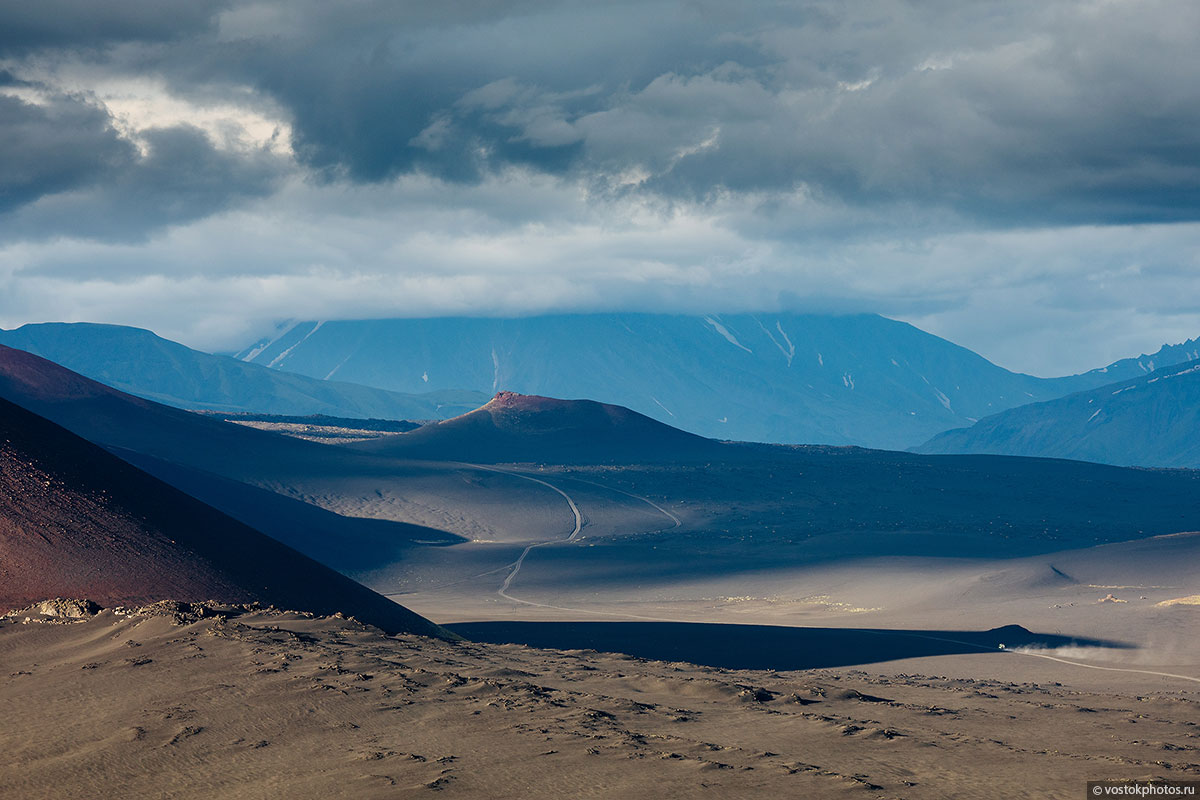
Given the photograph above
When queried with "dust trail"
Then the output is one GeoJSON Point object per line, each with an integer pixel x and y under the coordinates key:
{"type": "Point", "coordinates": [1106, 669]}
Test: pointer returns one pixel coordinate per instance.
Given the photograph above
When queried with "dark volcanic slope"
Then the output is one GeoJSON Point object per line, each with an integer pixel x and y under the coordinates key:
{"type": "Point", "coordinates": [348, 544]}
{"type": "Point", "coordinates": [112, 418]}
{"type": "Point", "coordinates": [515, 427]}
{"type": "Point", "coordinates": [76, 521]}
{"type": "Point", "coordinates": [1150, 421]}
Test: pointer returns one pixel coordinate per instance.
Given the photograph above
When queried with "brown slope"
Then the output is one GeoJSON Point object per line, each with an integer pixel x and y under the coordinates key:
{"type": "Point", "coordinates": [527, 428]}
{"type": "Point", "coordinates": [76, 521]}
{"type": "Point", "coordinates": [110, 417]}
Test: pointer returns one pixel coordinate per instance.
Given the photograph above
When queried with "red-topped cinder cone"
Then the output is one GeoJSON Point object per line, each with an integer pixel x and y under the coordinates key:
{"type": "Point", "coordinates": [514, 427]}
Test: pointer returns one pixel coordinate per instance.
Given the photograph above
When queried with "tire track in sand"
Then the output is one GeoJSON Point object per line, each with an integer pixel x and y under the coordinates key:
{"type": "Point", "coordinates": [573, 536]}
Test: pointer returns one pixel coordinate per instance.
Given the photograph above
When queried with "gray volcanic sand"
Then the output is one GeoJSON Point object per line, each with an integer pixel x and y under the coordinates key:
{"type": "Point", "coordinates": [1065, 595]}
{"type": "Point", "coordinates": [477, 502]}
{"type": "Point", "coordinates": [271, 704]}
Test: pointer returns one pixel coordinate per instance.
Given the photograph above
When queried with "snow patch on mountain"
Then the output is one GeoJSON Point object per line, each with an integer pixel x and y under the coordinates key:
{"type": "Point", "coordinates": [341, 364]}
{"type": "Point", "coordinates": [789, 351]}
{"type": "Point", "coordinates": [729, 337]}
{"type": "Point", "coordinates": [786, 338]}
{"type": "Point", "coordinates": [266, 342]}
{"type": "Point", "coordinates": [660, 405]}
{"type": "Point", "coordinates": [1172, 375]}
{"type": "Point", "coordinates": [279, 358]}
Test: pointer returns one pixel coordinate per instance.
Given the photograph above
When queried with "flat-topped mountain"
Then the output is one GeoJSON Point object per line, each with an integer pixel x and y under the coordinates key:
{"type": "Point", "coordinates": [516, 427]}
{"type": "Point", "coordinates": [791, 378]}
{"type": "Point", "coordinates": [1151, 421]}
{"type": "Point", "coordinates": [76, 521]}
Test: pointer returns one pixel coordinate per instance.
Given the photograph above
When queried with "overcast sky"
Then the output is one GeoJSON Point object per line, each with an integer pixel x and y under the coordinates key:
{"type": "Point", "coordinates": [1022, 178]}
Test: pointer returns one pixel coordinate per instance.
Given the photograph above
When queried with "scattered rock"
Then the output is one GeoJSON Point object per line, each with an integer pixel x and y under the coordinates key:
{"type": "Point", "coordinates": [58, 610]}
{"type": "Point", "coordinates": [754, 694]}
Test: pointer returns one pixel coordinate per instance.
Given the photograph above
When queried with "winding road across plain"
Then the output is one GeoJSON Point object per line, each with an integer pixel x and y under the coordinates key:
{"type": "Point", "coordinates": [676, 522]}
{"type": "Point", "coordinates": [573, 536]}
{"type": "Point", "coordinates": [516, 566]}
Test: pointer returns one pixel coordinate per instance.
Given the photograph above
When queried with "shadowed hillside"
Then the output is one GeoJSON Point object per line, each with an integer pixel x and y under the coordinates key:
{"type": "Point", "coordinates": [759, 646]}
{"type": "Point", "coordinates": [113, 418]}
{"type": "Point", "coordinates": [76, 521]}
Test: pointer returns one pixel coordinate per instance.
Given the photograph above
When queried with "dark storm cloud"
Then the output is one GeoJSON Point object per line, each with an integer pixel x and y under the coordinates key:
{"type": "Point", "coordinates": [962, 114]}
{"type": "Point", "coordinates": [376, 89]}
{"type": "Point", "coordinates": [56, 146]}
{"type": "Point", "coordinates": [29, 25]}
{"type": "Point", "coordinates": [64, 169]}
{"type": "Point", "coordinates": [1005, 113]}
{"type": "Point", "coordinates": [182, 177]}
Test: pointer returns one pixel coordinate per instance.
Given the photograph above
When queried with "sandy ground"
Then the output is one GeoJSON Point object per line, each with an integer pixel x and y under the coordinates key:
{"type": "Point", "coordinates": [268, 704]}
{"type": "Point", "coordinates": [1142, 633]}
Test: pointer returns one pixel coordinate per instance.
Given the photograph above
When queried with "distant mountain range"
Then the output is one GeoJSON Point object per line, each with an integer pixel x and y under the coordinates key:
{"type": "Point", "coordinates": [141, 363]}
{"type": "Point", "coordinates": [790, 378]}
{"type": "Point", "coordinates": [1153, 420]}
{"type": "Point", "coordinates": [793, 378]}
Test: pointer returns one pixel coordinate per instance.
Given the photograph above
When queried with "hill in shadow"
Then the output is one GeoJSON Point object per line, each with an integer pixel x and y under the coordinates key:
{"type": "Point", "coordinates": [348, 544]}
{"type": "Point", "coordinates": [143, 364]}
{"type": "Point", "coordinates": [76, 521]}
{"type": "Point", "coordinates": [113, 418]}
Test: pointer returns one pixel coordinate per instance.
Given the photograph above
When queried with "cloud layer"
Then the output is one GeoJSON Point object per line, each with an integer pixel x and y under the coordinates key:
{"type": "Point", "coordinates": [998, 173]}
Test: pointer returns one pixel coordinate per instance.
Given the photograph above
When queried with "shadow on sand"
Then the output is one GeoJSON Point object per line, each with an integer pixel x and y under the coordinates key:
{"type": "Point", "coordinates": [760, 646]}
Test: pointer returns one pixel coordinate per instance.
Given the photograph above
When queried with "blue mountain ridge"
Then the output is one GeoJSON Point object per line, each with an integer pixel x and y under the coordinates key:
{"type": "Point", "coordinates": [796, 378]}
{"type": "Point", "coordinates": [1151, 421]}
{"type": "Point", "coordinates": [140, 363]}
